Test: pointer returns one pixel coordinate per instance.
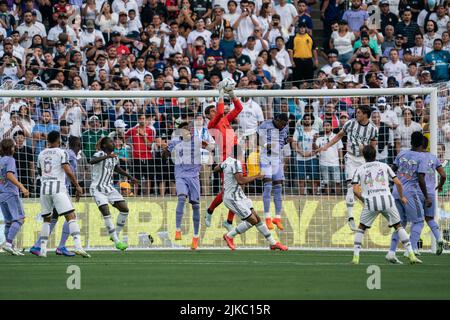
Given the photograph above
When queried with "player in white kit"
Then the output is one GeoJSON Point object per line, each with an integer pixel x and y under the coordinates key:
{"type": "Point", "coordinates": [53, 166]}
{"type": "Point", "coordinates": [104, 163]}
{"type": "Point", "coordinates": [360, 132]}
{"type": "Point", "coordinates": [236, 201]}
{"type": "Point", "coordinates": [373, 177]}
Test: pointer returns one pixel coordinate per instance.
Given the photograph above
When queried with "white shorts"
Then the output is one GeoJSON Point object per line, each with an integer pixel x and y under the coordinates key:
{"type": "Point", "coordinates": [351, 164]}
{"type": "Point", "coordinates": [102, 198]}
{"type": "Point", "coordinates": [369, 216]}
{"type": "Point", "coordinates": [60, 201]}
{"type": "Point", "coordinates": [242, 208]}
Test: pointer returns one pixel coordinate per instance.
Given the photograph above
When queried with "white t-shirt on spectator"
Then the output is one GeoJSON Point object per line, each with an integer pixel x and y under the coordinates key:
{"type": "Point", "coordinates": [134, 25]}
{"type": "Point", "coordinates": [205, 34]}
{"type": "Point", "coordinates": [181, 41]}
{"type": "Point", "coordinates": [253, 54]}
{"type": "Point", "coordinates": [287, 14]}
{"type": "Point", "coordinates": [231, 17]}
{"type": "Point", "coordinates": [139, 74]}
{"type": "Point", "coordinates": [89, 37]}
{"type": "Point", "coordinates": [403, 133]}
{"type": "Point", "coordinates": [304, 140]}
{"type": "Point", "coordinates": [119, 5]}
{"type": "Point", "coordinates": [57, 30]}
{"type": "Point", "coordinates": [275, 33]}
{"type": "Point", "coordinates": [245, 29]}
{"type": "Point", "coordinates": [32, 30]}
{"type": "Point", "coordinates": [343, 44]}
{"type": "Point", "coordinates": [250, 117]}
{"type": "Point", "coordinates": [329, 158]}
{"type": "Point", "coordinates": [397, 70]}
{"type": "Point", "coordinates": [428, 40]}
{"type": "Point", "coordinates": [74, 117]}
{"type": "Point", "coordinates": [168, 49]}
{"type": "Point", "coordinates": [441, 23]}
{"type": "Point", "coordinates": [105, 24]}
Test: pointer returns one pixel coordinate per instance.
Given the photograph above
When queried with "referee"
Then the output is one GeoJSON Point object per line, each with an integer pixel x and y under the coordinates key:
{"type": "Point", "coordinates": [303, 51]}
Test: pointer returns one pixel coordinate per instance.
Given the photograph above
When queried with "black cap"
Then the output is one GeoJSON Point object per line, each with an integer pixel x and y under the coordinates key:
{"type": "Point", "coordinates": [302, 25]}
{"type": "Point", "coordinates": [115, 33]}
{"type": "Point", "coordinates": [238, 44]}
{"type": "Point", "coordinates": [334, 52]}
{"type": "Point", "coordinates": [399, 36]}
{"type": "Point", "coordinates": [59, 43]}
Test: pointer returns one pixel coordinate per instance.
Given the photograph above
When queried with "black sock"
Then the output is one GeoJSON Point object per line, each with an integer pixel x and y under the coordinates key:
{"type": "Point", "coordinates": [209, 211]}
{"type": "Point", "coordinates": [229, 222]}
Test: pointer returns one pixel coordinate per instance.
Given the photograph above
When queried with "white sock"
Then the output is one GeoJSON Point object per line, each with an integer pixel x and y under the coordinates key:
{"type": "Point", "coordinates": [241, 228]}
{"type": "Point", "coordinates": [45, 232]}
{"type": "Point", "coordinates": [74, 230]}
{"type": "Point", "coordinates": [267, 215]}
{"type": "Point", "coordinates": [110, 227]}
{"type": "Point", "coordinates": [350, 199]}
{"type": "Point", "coordinates": [121, 220]}
{"type": "Point", "coordinates": [359, 234]}
{"type": "Point", "coordinates": [404, 239]}
{"type": "Point", "coordinates": [278, 216]}
{"type": "Point", "coordinates": [262, 228]}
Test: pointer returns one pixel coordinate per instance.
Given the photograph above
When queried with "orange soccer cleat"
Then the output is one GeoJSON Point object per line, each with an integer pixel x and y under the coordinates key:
{"type": "Point", "coordinates": [278, 246]}
{"type": "Point", "coordinates": [277, 222]}
{"type": "Point", "coordinates": [229, 241]}
{"type": "Point", "coordinates": [178, 235]}
{"type": "Point", "coordinates": [269, 224]}
{"type": "Point", "coordinates": [194, 244]}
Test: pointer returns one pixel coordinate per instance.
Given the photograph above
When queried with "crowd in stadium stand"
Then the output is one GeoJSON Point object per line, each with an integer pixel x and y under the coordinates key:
{"type": "Point", "coordinates": [194, 44]}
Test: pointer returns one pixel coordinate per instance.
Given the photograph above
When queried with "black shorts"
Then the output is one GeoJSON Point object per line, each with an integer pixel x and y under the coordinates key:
{"type": "Point", "coordinates": [164, 170]}
{"type": "Point", "coordinates": [143, 169]}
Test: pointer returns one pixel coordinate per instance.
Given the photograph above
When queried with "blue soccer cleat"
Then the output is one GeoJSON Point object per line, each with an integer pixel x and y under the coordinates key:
{"type": "Point", "coordinates": [35, 250]}
{"type": "Point", "coordinates": [64, 252]}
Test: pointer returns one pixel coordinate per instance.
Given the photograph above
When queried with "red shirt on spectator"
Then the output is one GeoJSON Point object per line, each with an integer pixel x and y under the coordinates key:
{"type": "Point", "coordinates": [333, 119]}
{"type": "Point", "coordinates": [140, 149]}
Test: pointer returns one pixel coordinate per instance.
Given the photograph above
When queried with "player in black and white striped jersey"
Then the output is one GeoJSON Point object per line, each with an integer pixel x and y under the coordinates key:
{"type": "Point", "coordinates": [360, 132]}
{"type": "Point", "coordinates": [53, 166]}
{"type": "Point", "coordinates": [104, 163]}
{"type": "Point", "coordinates": [373, 177]}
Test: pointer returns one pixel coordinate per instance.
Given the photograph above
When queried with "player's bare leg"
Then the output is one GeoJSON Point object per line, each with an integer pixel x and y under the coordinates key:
{"type": "Point", "coordinates": [253, 220]}
{"type": "Point", "coordinates": [109, 224]}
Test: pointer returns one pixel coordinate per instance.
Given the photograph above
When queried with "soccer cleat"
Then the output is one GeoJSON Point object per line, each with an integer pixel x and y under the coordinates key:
{"type": "Point", "coordinates": [277, 222]}
{"type": "Point", "coordinates": [10, 250]}
{"type": "Point", "coordinates": [194, 244]}
{"type": "Point", "coordinates": [269, 224]}
{"type": "Point", "coordinates": [62, 251]}
{"type": "Point", "coordinates": [413, 259]}
{"type": "Point", "coordinates": [82, 253]}
{"type": "Point", "coordinates": [278, 246]}
{"type": "Point", "coordinates": [208, 218]}
{"type": "Point", "coordinates": [355, 260]}
{"type": "Point", "coordinates": [121, 246]}
{"type": "Point", "coordinates": [393, 259]}
{"type": "Point", "coordinates": [229, 241]}
{"type": "Point", "coordinates": [19, 252]}
{"type": "Point", "coordinates": [177, 235]}
{"type": "Point", "coordinates": [440, 247]}
{"type": "Point", "coordinates": [35, 250]}
{"type": "Point", "coordinates": [351, 223]}
{"type": "Point", "coordinates": [227, 226]}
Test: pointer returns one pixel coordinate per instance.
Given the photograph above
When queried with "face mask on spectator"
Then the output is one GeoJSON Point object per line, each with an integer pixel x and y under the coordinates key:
{"type": "Point", "coordinates": [200, 76]}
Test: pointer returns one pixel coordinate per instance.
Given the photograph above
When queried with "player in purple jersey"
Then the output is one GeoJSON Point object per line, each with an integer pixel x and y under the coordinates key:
{"type": "Point", "coordinates": [10, 188]}
{"type": "Point", "coordinates": [411, 169]}
{"type": "Point", "coordinates": [433, 164]}
{"type": "Point", "coordinates": [273, 135]}
{"type": "Point", "coordinates": [186, 155]}
{"type": "Point", "coordinates": [61, 250]}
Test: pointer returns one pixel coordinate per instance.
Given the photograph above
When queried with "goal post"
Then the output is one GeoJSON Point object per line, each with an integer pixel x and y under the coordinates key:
{"type": "Point", "coordinates": [315, 221]}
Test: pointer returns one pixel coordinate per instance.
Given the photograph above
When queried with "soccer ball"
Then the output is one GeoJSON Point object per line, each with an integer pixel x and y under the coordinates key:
{"type": "Point", "coordinates": [228, 84]}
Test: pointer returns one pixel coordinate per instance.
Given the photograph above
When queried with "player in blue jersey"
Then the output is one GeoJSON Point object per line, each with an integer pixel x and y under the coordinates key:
{"type": "Point", "coordinates": [185, 148]}
{"type": "Point", "coordinates": [10, 202]}
{"type": "Point", "coordinates": [433, 164]}
{"type": "Point", "coordinates": [273, 136]}
{"type": "Point", "coordinates": [410, 166]}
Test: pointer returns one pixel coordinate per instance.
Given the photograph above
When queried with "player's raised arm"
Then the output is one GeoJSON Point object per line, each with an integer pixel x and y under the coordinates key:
{"type": "Point", "coordinates": [95, 160]}
{"type": "Point", "coordinates": [237, 107]}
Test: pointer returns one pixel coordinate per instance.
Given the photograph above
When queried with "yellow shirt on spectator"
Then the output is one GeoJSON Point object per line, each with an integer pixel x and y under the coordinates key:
{"type": "Point", "coordinates": [253, 164]}
{"type": "Point", "coordinates": [303, 46]}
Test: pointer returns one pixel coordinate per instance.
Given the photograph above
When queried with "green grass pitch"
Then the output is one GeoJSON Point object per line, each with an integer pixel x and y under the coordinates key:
{"type": "Point", "coordinates": [221, 274]}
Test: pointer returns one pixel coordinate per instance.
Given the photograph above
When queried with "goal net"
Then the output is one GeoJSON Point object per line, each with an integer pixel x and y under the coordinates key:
{"type": "Point", "coordinates": [313, 194]}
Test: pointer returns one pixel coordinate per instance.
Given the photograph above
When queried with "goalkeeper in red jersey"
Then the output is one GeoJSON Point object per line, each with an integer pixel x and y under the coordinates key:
{"type": "Point", "coordinates": [220, 128]}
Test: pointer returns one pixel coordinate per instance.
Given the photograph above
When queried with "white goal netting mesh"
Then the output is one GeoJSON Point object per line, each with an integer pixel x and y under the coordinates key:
{"type": "Point", "coordinates": [314, 207]}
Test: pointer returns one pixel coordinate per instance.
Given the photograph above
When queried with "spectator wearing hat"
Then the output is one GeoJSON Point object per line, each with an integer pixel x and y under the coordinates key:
{"type": "Point", "coordinates": [425, 78]}
{"type": "Point", "coordinates": [246, 22]}
{"type": "Point", "coordinates": [90, 137]}
{"type": "Point", "coordinates": [60, 28]}
{"type": "Point", "coordinates": [438, 61]}
{"type": "Point", "coordinates": [408, 28]}
{"type": "Point", "coordinates": [303, 51]}
{"type": "Point", "coordinates": [89, 36]}
{"type": "Point", "coordinates": [243, 61]}
{"type": "Point", "coordinates": [332, 58]}
{"type": "Point", "coordinates": [398, 45]}
{"type": "Point", "coordinates": [227, 43]}
{"type": "Point", "coordinates": [276, 30]}
{"type": "Point", "coordinates": [386, 16]}
{"type": "Point", "coordinates": [28, 29]}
